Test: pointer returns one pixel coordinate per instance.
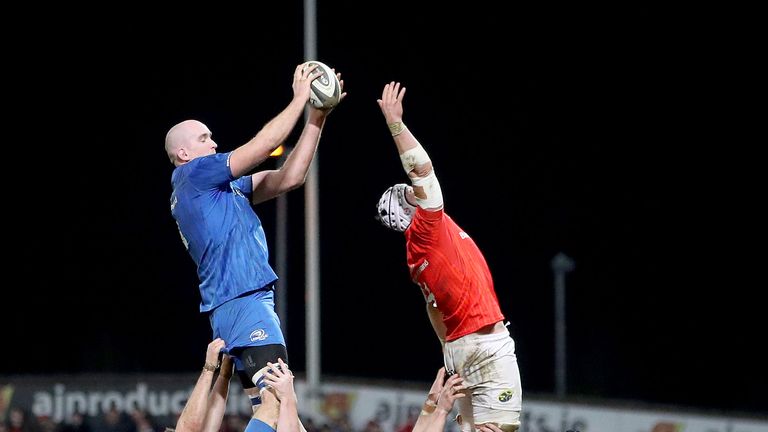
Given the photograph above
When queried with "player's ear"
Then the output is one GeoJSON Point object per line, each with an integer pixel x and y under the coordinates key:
{"type": "Point", "coordinates": [181, 154]}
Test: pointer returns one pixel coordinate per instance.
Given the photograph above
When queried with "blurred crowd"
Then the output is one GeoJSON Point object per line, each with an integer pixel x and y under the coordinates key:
{"type": "Point", "coordinates": [20, 420]}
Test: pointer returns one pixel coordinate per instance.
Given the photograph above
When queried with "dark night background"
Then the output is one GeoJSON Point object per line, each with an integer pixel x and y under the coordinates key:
{"type": "Point", "coordinates": [551, 130]}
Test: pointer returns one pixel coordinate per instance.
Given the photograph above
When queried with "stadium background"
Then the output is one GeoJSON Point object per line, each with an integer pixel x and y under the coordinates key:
{"type": "Point", "coordinates": [552, 130]}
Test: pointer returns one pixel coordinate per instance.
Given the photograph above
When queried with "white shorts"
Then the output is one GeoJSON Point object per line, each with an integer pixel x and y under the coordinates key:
{"type": "Point", "coordinates": [489, 367]}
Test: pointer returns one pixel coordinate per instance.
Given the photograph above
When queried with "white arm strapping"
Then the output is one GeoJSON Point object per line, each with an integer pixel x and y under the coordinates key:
{"type": "Point", "coordinates": [414, 157]}
{"type": "Point", "coordinates": [431, 188]}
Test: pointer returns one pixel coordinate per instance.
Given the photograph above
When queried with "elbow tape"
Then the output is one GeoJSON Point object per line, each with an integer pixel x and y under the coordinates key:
{"type": "Point", "coordinates": [431, 188]}
{"type": "Point", "coordinates": [413, 158]}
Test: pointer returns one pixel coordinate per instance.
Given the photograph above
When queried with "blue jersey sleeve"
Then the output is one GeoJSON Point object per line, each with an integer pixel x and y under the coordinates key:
{"type": "Point", "coordinates": [245, 185]}
{"type": "Point", "coordinates": [210, 172]}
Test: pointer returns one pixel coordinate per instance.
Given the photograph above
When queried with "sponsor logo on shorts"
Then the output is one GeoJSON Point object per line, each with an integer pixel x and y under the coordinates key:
{"type": "Point", "coordinates": [506, 395]}
{"type": "Point", "coordinates": [258, 335]}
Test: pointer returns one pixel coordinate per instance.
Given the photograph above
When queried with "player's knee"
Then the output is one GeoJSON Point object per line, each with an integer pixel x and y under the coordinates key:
{"type": "Point", "coordinates": [254, 362]}
{"type": "Point", "coordinates": [254, 395]}
{"type": "Point", "coordinates": [259, 379]}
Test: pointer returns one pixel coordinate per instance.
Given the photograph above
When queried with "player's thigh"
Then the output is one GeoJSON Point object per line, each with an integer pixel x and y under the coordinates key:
{"type": "Point", "coordinates": [247, 321]}
{"type": "Point", "coordinates": [252, 362]}
{"type": "Point", "coordinates": [488, 366]}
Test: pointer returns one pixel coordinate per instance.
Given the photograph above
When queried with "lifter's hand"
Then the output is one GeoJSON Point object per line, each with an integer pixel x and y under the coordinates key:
{"type": "Point", "coordinates": [488, 427]}
{"type": "Point", "coordinates": [280, 378]}
{"type": "Point", "coordinates": [212, 354]}
{"type": "Point", "coordinates": [452, 390]}
{"type": "Point", "coordinates": [437, 385]}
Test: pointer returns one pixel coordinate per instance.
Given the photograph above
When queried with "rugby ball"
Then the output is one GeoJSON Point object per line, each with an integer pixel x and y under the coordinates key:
{"type": "Point", "coordinates": [326, 89]}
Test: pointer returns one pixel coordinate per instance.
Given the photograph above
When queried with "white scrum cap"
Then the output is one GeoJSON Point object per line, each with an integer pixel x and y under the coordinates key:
{"type": "Point", "coordinates": [394, 211]}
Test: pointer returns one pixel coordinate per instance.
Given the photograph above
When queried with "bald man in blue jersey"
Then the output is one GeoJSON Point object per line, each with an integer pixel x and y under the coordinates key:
{"type": "Point", "coordinates": [211, 202]}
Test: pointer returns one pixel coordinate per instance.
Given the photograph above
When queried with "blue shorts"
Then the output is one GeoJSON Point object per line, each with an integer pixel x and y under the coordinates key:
{"type": "Point", "coordinates": [256, 425]}
{"type": "Point", "coordinates": [246, 321]}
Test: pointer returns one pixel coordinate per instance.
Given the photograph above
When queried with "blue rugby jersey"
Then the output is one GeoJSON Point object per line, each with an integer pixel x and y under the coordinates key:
{"type": "Point", "coordinates": [220, 229]}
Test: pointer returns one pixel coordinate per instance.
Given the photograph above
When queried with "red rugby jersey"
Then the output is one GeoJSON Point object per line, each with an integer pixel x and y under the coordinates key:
{"type": "Point", "coordinates": [450, 269]}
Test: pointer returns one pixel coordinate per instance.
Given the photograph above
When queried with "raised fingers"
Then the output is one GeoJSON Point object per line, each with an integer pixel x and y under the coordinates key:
{"type": "Point", "coordinates": [284, 367]}
{"type": "Point", "coordinates": [488, 427]}
{"type": "Point", "coordinates": [455, 383]}
{"type": "Point", "coordinates": [440, 374]}
{"type": "Point", "coordinates": [392, 93]}
{"type": "Point", "coordinates": [214, 348]}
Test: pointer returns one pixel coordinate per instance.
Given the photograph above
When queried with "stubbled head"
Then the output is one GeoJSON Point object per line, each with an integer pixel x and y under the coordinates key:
{"type": "Point", "coordinates": [188, 140]}
{"type": "Point", "coordinates": [394, 210]}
